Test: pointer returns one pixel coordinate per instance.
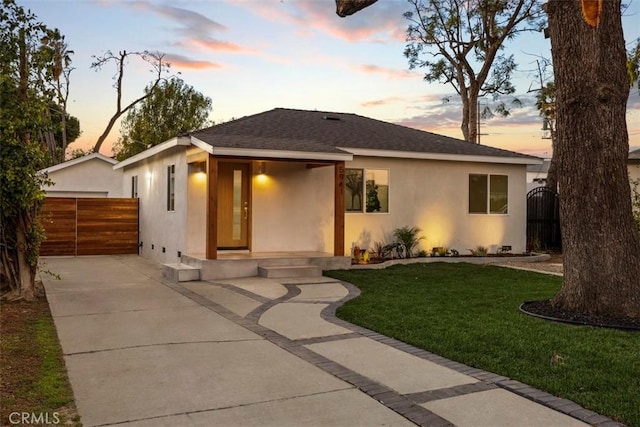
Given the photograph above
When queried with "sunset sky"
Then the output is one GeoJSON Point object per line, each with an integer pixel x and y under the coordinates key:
{"type": "Point", "coordinates": [253, 56]}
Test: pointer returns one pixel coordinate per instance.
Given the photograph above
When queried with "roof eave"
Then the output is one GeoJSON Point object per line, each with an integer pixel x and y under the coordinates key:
{"type": "Point", "coordinates": [79, 160]}
{"type": "Point", "coordinates": [446, 157]}
{"type": "Point", "coordinates": [173, 142]}
{"type": "Point", "coordinates": [280, 154]}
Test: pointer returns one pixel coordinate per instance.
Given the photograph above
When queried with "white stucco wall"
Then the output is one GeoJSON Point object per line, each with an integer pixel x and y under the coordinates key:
{"type": "Point", "coordinates": [196, 239]}
{"type": "Point", "coordinates": [160, 228]}
{"type": "Point", "coordinates": [293, 208]}
{"type": "Point", "coordinates": [433, 195]}
{"type": "Point", "coordinates": [91, 178]}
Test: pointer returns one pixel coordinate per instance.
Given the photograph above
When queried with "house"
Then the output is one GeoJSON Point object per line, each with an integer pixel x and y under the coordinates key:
{"type": "Point", "coordinates": [537, 174]}
{"type": "Point", "coordinates": [290, 180]}
{"type": "Point", "coordinates": [88, 176]}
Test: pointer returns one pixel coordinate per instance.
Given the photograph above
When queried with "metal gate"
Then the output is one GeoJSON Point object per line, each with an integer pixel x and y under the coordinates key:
{"type": "Point", "coordinates": [543, 219]}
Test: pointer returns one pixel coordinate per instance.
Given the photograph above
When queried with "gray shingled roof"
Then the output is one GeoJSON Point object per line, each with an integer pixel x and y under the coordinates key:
{"type": "Point", "coordinates": [634, 155]}
{"type": "Point", "coordinates": [319, 131]}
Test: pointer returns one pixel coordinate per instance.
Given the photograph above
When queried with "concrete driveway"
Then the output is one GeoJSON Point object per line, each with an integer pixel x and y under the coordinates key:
{"type": "Point", "coordinates": [243, 352]}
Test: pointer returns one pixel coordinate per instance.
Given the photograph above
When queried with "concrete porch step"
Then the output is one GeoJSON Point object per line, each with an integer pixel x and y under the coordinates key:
{"type": "Point", "coordinates": [180, 272]}
{"type": "Point", "coordinates": [279, 272]}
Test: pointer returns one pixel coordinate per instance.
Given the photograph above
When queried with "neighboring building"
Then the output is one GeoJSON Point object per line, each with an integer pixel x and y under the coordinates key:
{"type": "Point", "coordinates": [294, 180]}
{"type": "Point", "coordinates": [633, 164]}
{"type": "Point", "coordinates": [537, 174]}
{"type": "Point", "coordinates": [88, 176]}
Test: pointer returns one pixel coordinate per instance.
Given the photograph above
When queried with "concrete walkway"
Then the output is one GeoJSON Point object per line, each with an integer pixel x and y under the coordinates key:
{"type": "Point", "coordinates": [144, 352]}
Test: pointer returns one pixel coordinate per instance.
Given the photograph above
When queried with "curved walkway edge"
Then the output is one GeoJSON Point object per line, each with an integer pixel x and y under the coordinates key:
{"type": "Point", "coordinates": [143, 351]}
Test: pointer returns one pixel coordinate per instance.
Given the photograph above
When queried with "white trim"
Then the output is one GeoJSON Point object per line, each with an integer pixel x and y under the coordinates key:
{"type": "Point", "coordinates": [202, 145]}
{"type": "Point", "coordinates": [280, 154]}
{"type": "Point", "coordinates": [79, 160]}
{"type": "Point", "coordinates": [437, 156]}
{"type": "Point", "coordinates": [173, 142]}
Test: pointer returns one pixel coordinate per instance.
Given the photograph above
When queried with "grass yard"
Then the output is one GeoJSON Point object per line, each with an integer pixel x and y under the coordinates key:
{"type": "Point", "coordinates": [34, 379]}
{"type": "Point", "coordinates": [469, 314]}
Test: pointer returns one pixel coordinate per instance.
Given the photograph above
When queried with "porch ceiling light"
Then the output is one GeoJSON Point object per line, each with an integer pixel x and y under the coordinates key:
{"type": "Point", "coordinates": [262, 168]}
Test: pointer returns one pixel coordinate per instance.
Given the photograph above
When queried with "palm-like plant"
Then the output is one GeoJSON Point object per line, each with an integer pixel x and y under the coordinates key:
{"type": "Point", "coordinates": [408, 236]}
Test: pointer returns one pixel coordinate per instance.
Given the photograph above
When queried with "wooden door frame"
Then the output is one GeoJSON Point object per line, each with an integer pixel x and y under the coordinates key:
{"type": "Point", "coordinates": [213, 169]}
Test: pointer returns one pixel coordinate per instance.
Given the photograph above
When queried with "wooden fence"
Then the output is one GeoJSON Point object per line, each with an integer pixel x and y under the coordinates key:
{"type": "Point", "coordinates": [89, 226]}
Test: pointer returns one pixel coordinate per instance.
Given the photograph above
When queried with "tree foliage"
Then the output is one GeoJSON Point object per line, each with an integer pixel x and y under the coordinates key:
{"type": "Point", "coordinates": [459, 43]}
{"type": "Point", "coordinates": [159, 67]}
{"type": "Point", "coordinates": [23, 116]}
{"type": "Point", "coordinates": [171, 108]}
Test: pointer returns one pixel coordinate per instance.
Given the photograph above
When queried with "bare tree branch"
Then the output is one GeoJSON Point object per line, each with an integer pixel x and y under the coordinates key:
{"type": "Point", "coordinates": [159, 67]}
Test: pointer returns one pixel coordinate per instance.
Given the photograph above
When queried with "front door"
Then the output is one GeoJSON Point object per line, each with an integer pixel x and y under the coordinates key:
{"type": "Point", "coordinates": [233, 205]}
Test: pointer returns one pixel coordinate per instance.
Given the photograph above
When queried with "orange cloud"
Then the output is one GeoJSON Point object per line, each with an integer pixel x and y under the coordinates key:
{"type": "Point", "coordinates": [213, 44]}
{"type": "Point", "coordinates": [391, 73]}
{"type": "Point", "coordinates": [381, 102]}
{"type": "Point", "coordinates": [179, 61]}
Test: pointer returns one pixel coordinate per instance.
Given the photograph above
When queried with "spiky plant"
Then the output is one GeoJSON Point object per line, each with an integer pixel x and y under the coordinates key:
{"type": "Point", "coordinates": [408, 236]}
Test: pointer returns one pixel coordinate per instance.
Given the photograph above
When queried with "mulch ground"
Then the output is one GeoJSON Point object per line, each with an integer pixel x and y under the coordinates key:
{"type": "Point", "coordinates": [21, 362]}
{"type": "Point", "coordinates": [546, 310]}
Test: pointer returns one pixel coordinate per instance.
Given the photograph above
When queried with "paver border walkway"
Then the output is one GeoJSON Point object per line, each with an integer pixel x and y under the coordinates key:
{"type": "Point", "coordinates": [407, 405]}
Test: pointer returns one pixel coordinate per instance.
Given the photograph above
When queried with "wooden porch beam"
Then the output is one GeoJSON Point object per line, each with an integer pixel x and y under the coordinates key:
{"type": "Point", "coordinates": [212, 208]}
{"type": "Point", "coordinates": [338, 220]}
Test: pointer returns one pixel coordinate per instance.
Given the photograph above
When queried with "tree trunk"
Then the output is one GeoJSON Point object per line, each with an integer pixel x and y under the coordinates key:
{"type": "Point", "coordinates": [27, 272]}
{"type": "Point", "coordinates": [470, 113]}
{"type": "Point", "coordinates": [601, 248]}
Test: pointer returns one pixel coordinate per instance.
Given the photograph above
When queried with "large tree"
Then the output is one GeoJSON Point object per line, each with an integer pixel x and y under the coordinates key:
{"type": "Point", "coordinates": [159, 67]}
{"type": "Point", "coordinates": [171, 108]}
{"type": "Point", "coordinates": [601, 247]}
{"type": "Point", "coordinates": [24, 114]}
{"type": "Point", "coordinates": [459, 43]}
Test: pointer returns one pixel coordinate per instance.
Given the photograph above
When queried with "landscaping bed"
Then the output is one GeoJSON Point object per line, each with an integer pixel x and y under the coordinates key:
{"type": "Point", "coordinates": [470, 313]}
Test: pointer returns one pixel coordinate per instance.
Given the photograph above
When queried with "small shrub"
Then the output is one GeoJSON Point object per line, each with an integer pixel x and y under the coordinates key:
{"type": "Point", "coordinates": [378, 249]}
{"type": "Point", "coordinates": [422, 254]}
{"type": "Point", "coordinates": [479, 251]}
{"type": "Point", "coordinates": [408, 236]}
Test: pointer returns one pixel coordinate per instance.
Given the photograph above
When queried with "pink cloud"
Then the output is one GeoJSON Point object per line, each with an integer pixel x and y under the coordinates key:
{"type": "Point", "coordinates": [212, 44]}
{"type": "Point", "coordinates": [194, 28]}
{"type": "Point", "coordinates": [180, 61]}
{"type": "Point", "coordinates": [381, 102]}
{"type": "Point", "coordinates": [391, 73]}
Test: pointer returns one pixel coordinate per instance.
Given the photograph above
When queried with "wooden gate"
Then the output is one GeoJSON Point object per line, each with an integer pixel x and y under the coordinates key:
{"type": "Point", "coordinates": [89, 226]}
{"type": "Point", "coordinates": [543, 219]}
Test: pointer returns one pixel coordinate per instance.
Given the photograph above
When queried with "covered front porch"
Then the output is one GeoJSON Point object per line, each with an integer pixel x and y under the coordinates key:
{"type": "Point", "coordinates": [255, 209]}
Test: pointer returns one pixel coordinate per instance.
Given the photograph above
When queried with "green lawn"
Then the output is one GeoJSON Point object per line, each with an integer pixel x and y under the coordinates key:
{"type": "Point", "coordinates": [469, 314]}
{"type": "Point", "coordinates": [34, 377]}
